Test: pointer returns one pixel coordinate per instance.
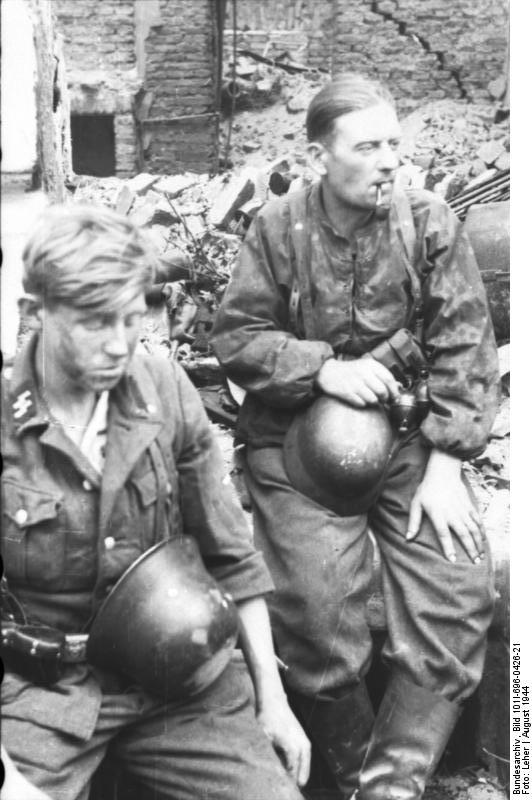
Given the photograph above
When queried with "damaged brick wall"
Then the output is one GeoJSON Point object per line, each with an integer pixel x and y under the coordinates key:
{"type": "Point", "coordinates": [432, 49]}
{"type": "Point", "coordinates": [118, 51]}
{"type": "Point", "coordinates": [424, 49]}
{"type": "Point", "coordinates": [98, 36]}
{"type": "Point", "coordinates": [180, 78]}
{"type": "Point", "coordinates": [273, 27]}
{"type": "Point", "coordinates": [99, 46]}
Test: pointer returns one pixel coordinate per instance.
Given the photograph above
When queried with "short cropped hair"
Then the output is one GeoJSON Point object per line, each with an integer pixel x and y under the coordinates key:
{"type": "Point", "coordinates": [87, 257]}
{"type": "Point", "coordinates": [346, 92]}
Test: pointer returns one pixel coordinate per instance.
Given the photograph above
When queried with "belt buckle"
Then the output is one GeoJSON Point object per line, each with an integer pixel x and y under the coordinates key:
{"type": "Point", "coordinates": [75, 648]}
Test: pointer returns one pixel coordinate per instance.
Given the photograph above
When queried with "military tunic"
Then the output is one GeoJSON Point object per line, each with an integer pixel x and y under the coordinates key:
{"type": "Point", "coordinates": [69, 533]}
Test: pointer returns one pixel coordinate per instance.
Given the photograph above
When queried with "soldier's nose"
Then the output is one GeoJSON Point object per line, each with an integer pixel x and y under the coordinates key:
{"type": "Point", "coordinates": [389, 159]}
{"type": "Point", "coordinates": [116, 344]}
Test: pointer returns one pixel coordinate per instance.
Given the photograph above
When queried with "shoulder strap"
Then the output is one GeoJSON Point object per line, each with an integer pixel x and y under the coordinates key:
{"type": "Point", "coordinates": [402, 221]}
{"type": "Point", "coordinates": [300, 293]}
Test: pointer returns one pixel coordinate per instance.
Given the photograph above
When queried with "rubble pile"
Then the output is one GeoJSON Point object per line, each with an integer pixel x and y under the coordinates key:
{"type": "Point", "coordinates": [446, 143]}
{"type": "Point", "coordinates": [249, 84]}
{"type": "Point", "coordinates": [270, 111]}
{"type": "Point", "coordinates": [196, 223]}
{"type": "Point", "coordinates": [453, 142]}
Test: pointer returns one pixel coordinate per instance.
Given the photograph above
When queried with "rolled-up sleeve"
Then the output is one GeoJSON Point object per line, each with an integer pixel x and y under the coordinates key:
{"type": "Point", "coordinates": [458, 333]}
{"type": "Point", "coordinates": [209, 508]}
{"type": "Point", "coordinates": [251, 335]}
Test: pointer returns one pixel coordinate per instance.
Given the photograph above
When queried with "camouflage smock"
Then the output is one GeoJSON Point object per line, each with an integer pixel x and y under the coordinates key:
{"type": "Point", "coordinates": [361, 292]}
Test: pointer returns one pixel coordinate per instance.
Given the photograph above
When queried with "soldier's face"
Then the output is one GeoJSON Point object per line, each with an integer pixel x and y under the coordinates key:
{"type": "Point", "coordinates": [89, 350]}
{"type": "Point", "coordinates": [362, 156]}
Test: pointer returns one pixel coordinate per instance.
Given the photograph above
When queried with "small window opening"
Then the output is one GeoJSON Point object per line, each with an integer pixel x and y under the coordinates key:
{"type": "Point", "coordinates": [93, 144]}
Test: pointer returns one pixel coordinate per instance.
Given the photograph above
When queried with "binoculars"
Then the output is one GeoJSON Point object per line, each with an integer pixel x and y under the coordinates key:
{"type": "Point", "coordinates": [403, 356]}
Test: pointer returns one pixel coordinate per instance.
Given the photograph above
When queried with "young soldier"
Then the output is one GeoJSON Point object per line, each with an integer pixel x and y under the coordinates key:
{"type": "Point", "coordinates": [326, 275]}
{"type": "Point", "coordinates": [107, 453]}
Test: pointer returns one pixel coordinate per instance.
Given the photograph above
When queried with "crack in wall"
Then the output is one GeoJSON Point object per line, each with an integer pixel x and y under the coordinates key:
{"type": "Point", "coordinates": [403, 30]}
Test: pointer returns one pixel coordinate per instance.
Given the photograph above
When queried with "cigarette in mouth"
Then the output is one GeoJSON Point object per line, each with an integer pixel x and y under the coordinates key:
{"type": "Point", "coordinates": [379, 195]}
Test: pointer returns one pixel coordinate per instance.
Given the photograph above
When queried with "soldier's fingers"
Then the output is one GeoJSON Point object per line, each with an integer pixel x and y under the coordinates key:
{"type": "Point", "coordinates": [387, 379]}
{"type": "Point", "coordinates": [464, 534]}
{"type": "Point", "coordinates": [446, 540]}
{"type": "Point", "coordinates": [352, 398]}
{"type": "Point", "coordinates": [304, 766]}
{"type": "Point", "coordinates": [362, 392]}
{"type": "Point", "coordinates": [378, 387]}
{"type": "Point", "coordinates": [414, 519]}
{"type": "Point", "coordinates": [288, 758]}
{"type": "Point", "coordinates": [476, 527]}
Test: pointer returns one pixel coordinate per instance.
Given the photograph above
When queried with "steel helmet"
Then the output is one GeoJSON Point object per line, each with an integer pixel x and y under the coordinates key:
{"type": "Point", "coordinates": [336, 454]}
{"type": "Point", "coordinates": [166, 624]}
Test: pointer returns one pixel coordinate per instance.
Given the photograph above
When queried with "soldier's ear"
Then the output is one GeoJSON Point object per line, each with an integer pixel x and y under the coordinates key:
{"type": "Point", "coordinates": [317, 157]}
{"type": "Point", "coordinates": [31, 311]}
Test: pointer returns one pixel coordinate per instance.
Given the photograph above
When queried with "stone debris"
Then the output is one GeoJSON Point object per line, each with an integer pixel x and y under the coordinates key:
{"type": "Point", "coordinates": [124, 199]}
{"type": "Point", "coordinates": [251, 147]}
{"type": "Point", "coordinates": [239, 190]}
{"type": "Point", "coordinates": [174, 185]}
{"type": "Point", "coordinates": [141, 183]}
{"type": "Point", "coordinates": [490, 152]}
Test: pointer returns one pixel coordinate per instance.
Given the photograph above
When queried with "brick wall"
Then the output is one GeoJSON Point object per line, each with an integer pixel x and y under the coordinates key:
{"type": "Point", "coordinates": [102, 41]}
{"type": "Point", "coordinates": [273, 27]}
{"type": "Point", "coordinates": [99, 47]}
{"type": "Point", "coordinates": [180, 74]}
{"type": "Point", "coordinates": [98, 35]}
{"type": "Point", "coordinates": [429, 49]}
{"type": "Point", "coordinates": [424, 49]}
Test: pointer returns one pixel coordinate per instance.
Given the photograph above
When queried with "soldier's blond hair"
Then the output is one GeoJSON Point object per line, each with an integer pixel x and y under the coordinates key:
{"type": "Point", "coordinates": [87, 257]}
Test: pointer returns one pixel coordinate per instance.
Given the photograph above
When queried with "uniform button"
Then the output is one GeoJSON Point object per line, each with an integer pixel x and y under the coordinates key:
{"type": "Point", "coordinates": [87, 485]}
{"type": "Point", "coordinates": [109, 542]}
{"type": "Point", "coordinates": [168, 488]}
{"type": "Point", "coordinates": [21, 516]}
{"type": "Point", "coordinates": [151, 409]}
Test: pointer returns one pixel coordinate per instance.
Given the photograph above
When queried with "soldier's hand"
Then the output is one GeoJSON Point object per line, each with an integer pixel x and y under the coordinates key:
{"type": "Point", "coordinates": [444, 498]}
{"type": "Point", "coordinates": [360, 382]}
{"type": "Point", "coordinates": [288, 738]}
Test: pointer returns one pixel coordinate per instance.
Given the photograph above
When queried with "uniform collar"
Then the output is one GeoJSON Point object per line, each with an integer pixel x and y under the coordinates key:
{"type": "Point", "coordinates": [319, 213]}
{"type": "Point", "coordinates": [30, 411]}
{"type": "Point", "coordinates": [27, 406]}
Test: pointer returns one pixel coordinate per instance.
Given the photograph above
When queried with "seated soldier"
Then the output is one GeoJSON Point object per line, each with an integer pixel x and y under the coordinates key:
{"type": "Point", "coordinates": [107, 453]}
{"type": "Point", "coordinates": [355, 290]}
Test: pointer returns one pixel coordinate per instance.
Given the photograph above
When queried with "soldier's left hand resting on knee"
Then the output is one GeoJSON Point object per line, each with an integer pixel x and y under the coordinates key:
{"type": "Point", "coordinates": [443, 497]}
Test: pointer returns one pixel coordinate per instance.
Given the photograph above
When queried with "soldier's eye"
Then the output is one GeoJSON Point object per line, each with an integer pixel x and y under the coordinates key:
{"type": "Point", "coordinates": [94, 323]}
{"type": "Point", "coordinates": [367, 147]}
{"type": "Point", "coordinates": [134, 319]}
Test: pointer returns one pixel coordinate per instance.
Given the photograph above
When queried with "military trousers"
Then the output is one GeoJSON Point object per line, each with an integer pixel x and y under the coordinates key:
{"type": "Point", "coordinates": [437, 612]}
{"type": "Point", "coordinates": [209, 747]}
